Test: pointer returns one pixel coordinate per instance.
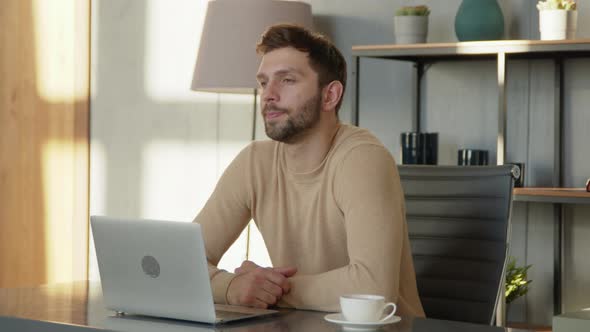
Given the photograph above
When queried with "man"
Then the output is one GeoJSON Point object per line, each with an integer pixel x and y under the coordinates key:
{"type": "Point", "coordinates": [326, 196]}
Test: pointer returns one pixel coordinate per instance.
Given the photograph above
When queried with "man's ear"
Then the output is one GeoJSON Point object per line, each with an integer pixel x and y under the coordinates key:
{"type": "Point", "coordinates": [331, 95]}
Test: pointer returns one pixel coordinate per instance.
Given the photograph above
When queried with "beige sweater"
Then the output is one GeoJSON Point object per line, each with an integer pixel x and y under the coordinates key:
{"type": "Point", "coordinates": [342, 225]}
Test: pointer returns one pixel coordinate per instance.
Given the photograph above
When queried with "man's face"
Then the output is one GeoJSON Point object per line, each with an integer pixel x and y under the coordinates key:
{"type": "Point", "coordinates": [290, 95]}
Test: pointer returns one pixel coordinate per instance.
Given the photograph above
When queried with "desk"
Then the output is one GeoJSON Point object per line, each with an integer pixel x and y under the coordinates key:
{"type": "Point", "coordinates": [78, 306]}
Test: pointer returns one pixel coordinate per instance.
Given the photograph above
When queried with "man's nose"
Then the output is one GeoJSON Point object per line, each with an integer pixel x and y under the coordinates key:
{"type": "Point", "coordinates": [270, 93]}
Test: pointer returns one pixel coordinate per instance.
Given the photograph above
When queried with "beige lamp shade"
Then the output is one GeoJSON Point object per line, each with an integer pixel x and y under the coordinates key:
{"type": "Point", "coordinates": [227, 59]}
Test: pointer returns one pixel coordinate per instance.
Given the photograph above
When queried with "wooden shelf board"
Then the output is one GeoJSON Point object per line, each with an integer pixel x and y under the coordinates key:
{"type": "Point", "coordinates": [477, 49]}
{"type": "Point", "coordinates": [552, 195]}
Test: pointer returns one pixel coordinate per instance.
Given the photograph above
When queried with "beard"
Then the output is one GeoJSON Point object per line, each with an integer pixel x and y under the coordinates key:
{"type": "Point", "coordinates": [297, 122]}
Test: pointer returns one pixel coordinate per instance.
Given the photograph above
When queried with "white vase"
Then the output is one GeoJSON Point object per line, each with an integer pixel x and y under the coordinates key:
{"type": "Point", "coordinates": [410, 29]}
{"type": "Point", "coordinates": [558, 24]}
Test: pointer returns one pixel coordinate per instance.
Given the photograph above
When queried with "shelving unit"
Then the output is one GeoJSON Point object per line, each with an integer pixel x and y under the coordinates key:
{"type": "Point", "coordinates": [501, 51]}
{"type": "Point", "coordinates": [557, 197]}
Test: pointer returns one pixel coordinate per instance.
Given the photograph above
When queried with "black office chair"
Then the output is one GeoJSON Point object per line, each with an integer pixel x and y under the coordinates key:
{"type": "Point", "coordinates": [458, 223]}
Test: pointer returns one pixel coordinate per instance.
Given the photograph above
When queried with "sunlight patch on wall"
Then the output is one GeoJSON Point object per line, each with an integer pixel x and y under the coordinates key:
{"type": "Point", "coordinates": [94, 50]}
{"type": "Point", "coordinates": [60, 69]}
{"type": "Point", "coordinates": [177, 178]}
{"type": "Point", "coordinates": [58, 193]}
{"type": "Point", "coordinates": [98, 192]}
{"type": "Point", "coordinates": [235, 255]}
{"type": "Point", "coordinates": [172, 40]}
{"type": "Point", "coordinates": [98, 178]}
{"type": "Point", "coordinates": [258, 253]}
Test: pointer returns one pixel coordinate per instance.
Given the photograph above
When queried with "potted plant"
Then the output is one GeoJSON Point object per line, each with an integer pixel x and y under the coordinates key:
{"type": "Point", "coordinates": [558, 19]}
{"type": "Point", "coordinates": [410, 24]}
{"type": "Point", "coordinates": [517, 283]}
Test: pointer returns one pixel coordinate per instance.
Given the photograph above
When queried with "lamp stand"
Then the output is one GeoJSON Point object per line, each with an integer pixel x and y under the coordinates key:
{"type": "Point", "coordinates": [253, 138]}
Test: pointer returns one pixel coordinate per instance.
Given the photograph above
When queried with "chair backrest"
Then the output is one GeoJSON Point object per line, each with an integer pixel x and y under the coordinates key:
{"type": "Point", "coordinates": [458, 223]}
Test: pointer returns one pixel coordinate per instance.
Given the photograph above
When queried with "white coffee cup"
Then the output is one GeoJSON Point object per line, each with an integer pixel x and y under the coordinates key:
{"type": "Point", "coordinates": [364, 308]}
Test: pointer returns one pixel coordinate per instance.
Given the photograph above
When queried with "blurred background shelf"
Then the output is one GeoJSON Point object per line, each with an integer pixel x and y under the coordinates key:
{"type": "Point", "coordinates": [552, 195]}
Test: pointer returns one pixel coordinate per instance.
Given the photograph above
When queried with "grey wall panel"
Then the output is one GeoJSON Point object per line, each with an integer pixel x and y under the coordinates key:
{"type": "Point", "coordinates": [518, 250]}
{"type": "Point", "coordinates": [540, 168]}
{"type": "Point", "coordinates": [577, 123]}
{"type": "Point", "coordinates": [576, 171]}
{"type": "Point", "coordinates": [461, 104]}
{"type": "Point", "coordinates": [517, 143]}
{"type": "Point", "coordinates": [517, 132]}
{"type": "Point", "coordinates": [540, 255]}
{"type": "Point", "coordinates": [541, 123]}
{"type": "Point", "coordinates": [387, 113]}
{"type": "Point", "coordinates": [577, 266]}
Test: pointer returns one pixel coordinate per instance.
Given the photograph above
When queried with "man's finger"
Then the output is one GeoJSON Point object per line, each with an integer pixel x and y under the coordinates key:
{"type": "Point", "coordinates": [249, 265]}
{"type": "Point", "coordinates": [259, 304]}
{"type": "Point", "coordinates": [287, 271]}
{"type": "Point", "coordinates": [245, 267]}
{"type": "Point", "coordinates": [266, 297]}
{"type": "Point", "coordinates": [272, 288]}
{"type": "Point", "coordinates": [278, 279]}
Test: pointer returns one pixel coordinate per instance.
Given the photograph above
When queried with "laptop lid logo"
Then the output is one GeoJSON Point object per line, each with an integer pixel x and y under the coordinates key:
{"type": "Point", "coordinates": [150, 266]}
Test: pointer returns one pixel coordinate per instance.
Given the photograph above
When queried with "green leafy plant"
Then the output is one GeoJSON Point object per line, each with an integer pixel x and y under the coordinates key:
{"type": "Point", "coordinates": [413, 11]}
{"type": "Point", "coordinates": [517, 283]}
{"type": "Point", "coordinates": [557, 4]}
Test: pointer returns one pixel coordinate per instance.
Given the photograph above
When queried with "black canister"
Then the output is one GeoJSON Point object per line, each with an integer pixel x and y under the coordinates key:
{"type": "Point", "coordinates": [472, 157]}
{"type": "Point", "coordinates": [419, 148]}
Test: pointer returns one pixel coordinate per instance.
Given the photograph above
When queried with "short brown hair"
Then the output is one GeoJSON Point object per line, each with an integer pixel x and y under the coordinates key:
{"type": "Point", "coordinates": [324, 57]}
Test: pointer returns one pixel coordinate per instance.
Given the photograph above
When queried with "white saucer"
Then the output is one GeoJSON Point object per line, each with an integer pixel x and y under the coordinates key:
{"type": "Point", "coordinates": [359, 326]}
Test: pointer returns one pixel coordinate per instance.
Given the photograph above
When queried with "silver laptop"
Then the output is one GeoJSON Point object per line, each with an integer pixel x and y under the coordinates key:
{"type": "Point", "coordinates": [158, 268]}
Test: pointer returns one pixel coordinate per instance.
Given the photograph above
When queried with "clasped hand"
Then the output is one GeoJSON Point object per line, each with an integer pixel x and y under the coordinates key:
{"type": "Point", "coordinates": [259, 287]}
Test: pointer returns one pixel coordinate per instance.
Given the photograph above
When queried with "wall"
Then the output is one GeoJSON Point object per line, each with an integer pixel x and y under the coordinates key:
{"type": "Point", "coordinates": [43, 141]}
{"type": "Point", "coordinates": [158, 149]}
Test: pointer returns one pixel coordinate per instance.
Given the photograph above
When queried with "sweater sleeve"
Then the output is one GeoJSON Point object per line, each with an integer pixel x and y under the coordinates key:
{"type": "Point", "coordinates": [368, 191]}
{"type": "Point", "coordinates": [224, 217]}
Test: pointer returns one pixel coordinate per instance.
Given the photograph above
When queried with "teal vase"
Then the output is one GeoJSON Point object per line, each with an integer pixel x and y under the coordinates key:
{"type": "Point", "coordinates": [479, 20]}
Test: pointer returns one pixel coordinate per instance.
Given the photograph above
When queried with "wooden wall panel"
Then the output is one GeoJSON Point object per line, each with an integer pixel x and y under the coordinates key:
{"type": "Point", "coordinates": [44, 112]}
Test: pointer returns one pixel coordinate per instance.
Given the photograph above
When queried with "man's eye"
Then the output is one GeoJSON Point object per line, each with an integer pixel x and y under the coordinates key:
{"type": "Point", "coordinates": [288, 80]}
{"type": "Point", "coordinates": [262, 84]}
